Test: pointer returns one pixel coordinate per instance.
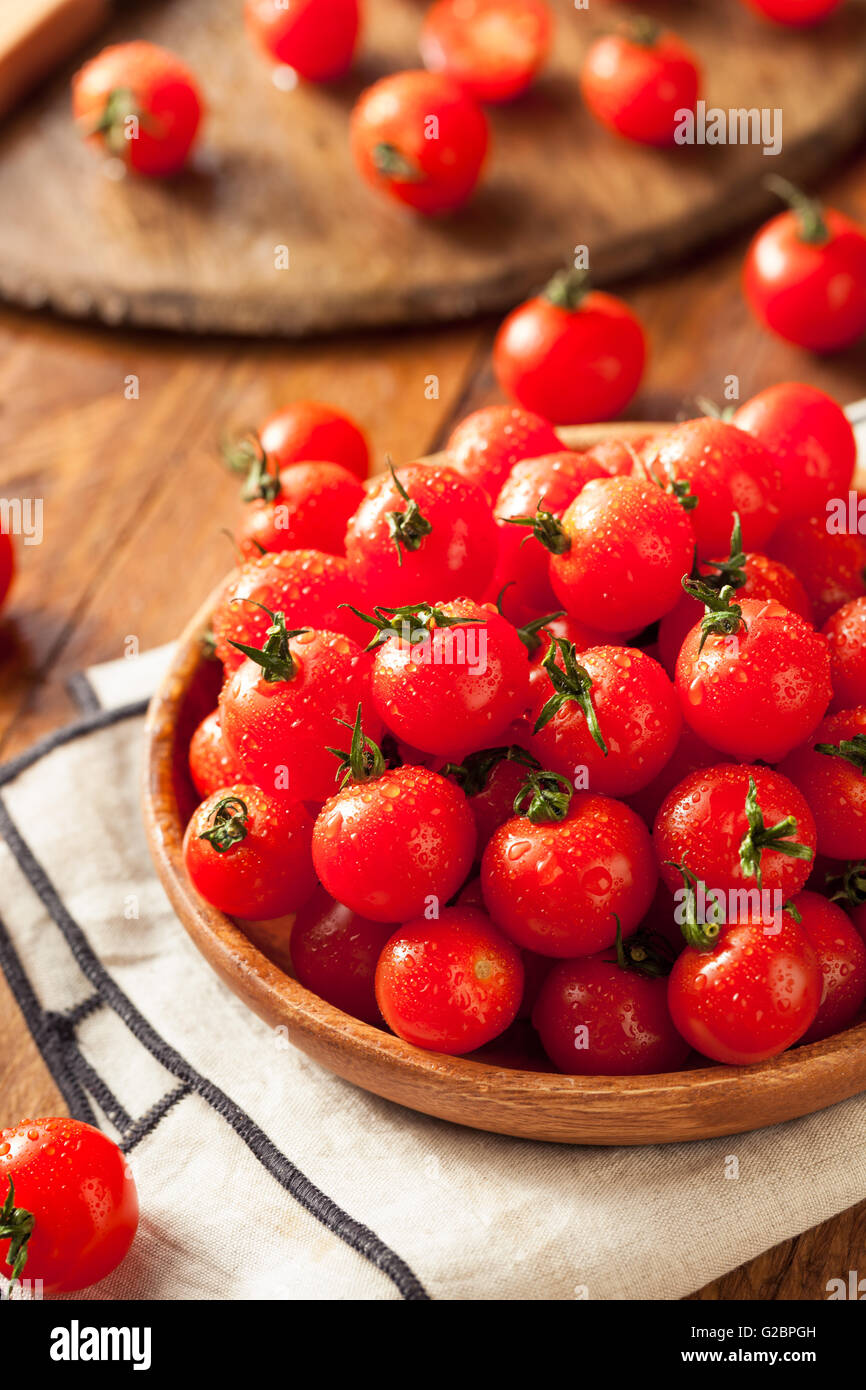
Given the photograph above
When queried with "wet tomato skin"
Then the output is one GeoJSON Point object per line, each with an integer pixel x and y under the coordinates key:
{"type": "Point", "coordinates": [761, 694]}
{"type": "Point", "coordinates": [309, 588]}
{"type": "Point", "coordinates": [596, 1019]}
{"type": "Point", "coordinates": [461, 691]}
{"type": "Point", "coordinates": [335, 952]}
{"type": "Point", "coordinates": [554, 887]}
{"type": "Point", "coordinates": [279, 733]}
{"type": "Point", "coordinates": [488, 443]}
{"type": "Point", "coordinates": [269, 872]}
{"type": "Point", "coordinates": [702, 823]}
{"type": "Point", "coordinates": [830, 564]}
{"type": "Point", "coordinates": [811, 441]}
{"type": "Point", "coordinates": [834, 788]}
{"type": "Point", "coordinates": [841, 954]}
{"type": "Point", "coordinates": [210, 764]}
{"type": "Point", "coordinates": [638, 716]}
{"type": "Point", "coordinates": [456, 556]}
{"type": "Point", "coordinates": [750, 997]}
{"type": "Point", "coordinates": [388, 847]}
{"type": "Point", "coordinates": [450, 985]}
{"type": "Point", "coordinates": [78, 1185]}
{"type": "Point", "coordinates": [630, 545]}
{"type": "Point", "coordinates": [846, 636]}
{"type": "Point", "coordinates": [310, 512]}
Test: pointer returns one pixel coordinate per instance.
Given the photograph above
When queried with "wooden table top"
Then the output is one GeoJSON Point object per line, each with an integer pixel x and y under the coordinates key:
{"type": "Point", "coordinates": [134, 497]}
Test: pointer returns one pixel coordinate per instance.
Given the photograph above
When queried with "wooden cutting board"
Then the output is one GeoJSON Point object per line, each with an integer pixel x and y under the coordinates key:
{"type": "Point", "coordinates": [274, 171]}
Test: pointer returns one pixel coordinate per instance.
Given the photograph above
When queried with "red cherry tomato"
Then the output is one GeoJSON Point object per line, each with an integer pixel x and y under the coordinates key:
{"type": "Point", "coordinates": [765, 578]}
{"type": "Point", "coordinates": [488, 443]}
{"type": "Point", "coordinates": [310, 588]}
{"type": "Point", "coordinates": [418, 138]}
{"type": "Point", "coordinates": [315, 37]}
{"type": "Point", "coordinates": [305, 431]}
{"type": "Point", "coordinates": [846, 638]}
{"type": "Point", "coordinates": [750, 996]}
{"type": "Point", "coordinates": [691, 754]}
{"type": "Point", "coordinates": [617, 456]}
{"type": "Point", "coordinates": [210, 763]}
{"type": "Point", "coordinates": [621, 551]}
{"type": "Point", "coordinates": [842, 959]}
{"type": "Point", "coordinates": [759, 688]}
{"type": "Point", "coordinates": [421, 532]}
{"type": "Point", "coordinates": [7, 565]}
{"type": "Point", "coordinates": [449, 680]}
{"type": "Point", "coordinates": [553, 480]}
{"type": "Point", "coordinates": [306, 506]}
{"type": "Point", "coordinates": [392, 843]}
{"type": "Point", "coordinates": [794, 13]}
{"type": "Point", "coordinates": [611, 718]}
{"type": "Point", "coordinates": [335, 953]}
{"type": "Point", "coordinates": [248, 854]}
{"type": "Point", "coordinates": [834, 782]}
{"type": "Point", "coordinates": [493, 49]}
{"type": "Point", "coordinates": [72, 1188]}
{"type": "Point", "coordinates": [804, 275]}
{"type": "Point", "coordinates": [636, 82]}
{"type": "Point", "coordinates": [567, 629]}
{"type": "Point", "coordinates": [140, 103]}
{"type": "Point", "coordinates": [811, 441]}
{"type": "Point", "coordinates": [557, 887]}
{"type": "Point", "coordinates": [450, 985]}
{"type": "Point", "coordinates": [280, 714]}
{"type": "Point", "coordinates": [727, 471]}
{"type": "Point", "coordinates": [570, 354]}
{"type": "Point", "coordinates": [831, 565]}
{"type": "Point", "coordinates": [597, 1018]}
{"type": "Point", "coordinates": [731, 837]}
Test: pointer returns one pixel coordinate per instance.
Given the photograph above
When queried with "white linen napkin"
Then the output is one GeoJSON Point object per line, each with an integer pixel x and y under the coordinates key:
{"type": "Point", "coordinates": [262, 1176]}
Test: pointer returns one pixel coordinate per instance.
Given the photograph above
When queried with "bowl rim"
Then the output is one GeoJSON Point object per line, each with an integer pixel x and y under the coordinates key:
{"type": "Point", "coordinates": [278, 997]}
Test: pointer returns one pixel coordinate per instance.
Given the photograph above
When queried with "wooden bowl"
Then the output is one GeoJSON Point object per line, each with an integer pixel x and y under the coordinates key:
{"type": "Point", "coordinates": [692, 1104]}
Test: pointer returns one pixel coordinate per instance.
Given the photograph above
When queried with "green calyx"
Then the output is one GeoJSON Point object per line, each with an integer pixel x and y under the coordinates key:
{"type": "Point", "coordinates": [231, 820]}
{"type": "Point", "coordinates": [701, 935]}
{"type": "Point", "coordinates": [16, 1226]}
{"type": "Point", "coordinates": [851, 750]}
{"type": "Point", "coordinates": [571, 683]}
{"type": "Point", "coordinates": [363, 760]}
{"type": "Point", "coordinates": [567, 288]}
{"type": "Point", "coordinates": [544, 796]}
{"type": "Point", "coordinates": [808, 211]}
{"type": "Point", "coordinates": [644, 953]}
{"type": "Point", "coordinates": [275, 657]}
{"type": "Point", "coordinates": [473, 774]}
{"type": "Point", "coordinates": [528, 634]}
{"type": "Point", "coordinates": [120, 106]}
{"type": "Point", "coordinates": [411, 623]}
{"type": "Point", "coordinates": [730, 573]}
{"type": "Point", "coordinates": [680, 489]}
{"type": "Point", "coordinates": [759, 837]}
{"type": "Point", "coordinates": [262, 478]}
{"type": "Point", "coordinates": [391, 163]}
{"type": "Point", "coordinates": [407, 529]}
{"type": "Point", "coordinates": [849, 886]}
{"type": "Point", "coordinates": [723, 617]}
{"type": "Point", "coordinates": [546, 528]}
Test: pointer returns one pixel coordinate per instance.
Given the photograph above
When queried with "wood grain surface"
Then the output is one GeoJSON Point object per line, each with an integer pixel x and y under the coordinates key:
{"type": "Point", "coordinates": [134, 498]}
{"type": "Point", "coordinates": [274, 171]}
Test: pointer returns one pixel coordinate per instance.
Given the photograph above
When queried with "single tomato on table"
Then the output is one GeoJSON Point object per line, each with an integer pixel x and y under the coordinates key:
{"type": "Point", "coordinates": [141, 104]}
{"type": "Point", "coordinates": [804, 275]}
{"type": "Point", "coordinates": [303, 432]}
{"type": "Point", "coordinates": [393, 149]}
{"type": "Point", "coordinates": [315, 37]}
{"type": "Point", "coordinates": [571, 354]}
{"type": "Point", "coordinates": [637, 81]}
{"type": "Point", "coordinates": [68, 1204]}
{"type": "Point", "coordinates": [493, 49]}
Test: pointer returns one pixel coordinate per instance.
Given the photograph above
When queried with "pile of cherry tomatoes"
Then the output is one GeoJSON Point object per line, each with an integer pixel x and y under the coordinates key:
{"type": "Point", "coordinates": [558, 755]}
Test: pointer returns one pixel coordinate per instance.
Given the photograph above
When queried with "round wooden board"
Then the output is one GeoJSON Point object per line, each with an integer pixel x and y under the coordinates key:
{"type": "Point", "coordinates": [274, 171]}
{"type": "Point", "coordinates": [253, 959]}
